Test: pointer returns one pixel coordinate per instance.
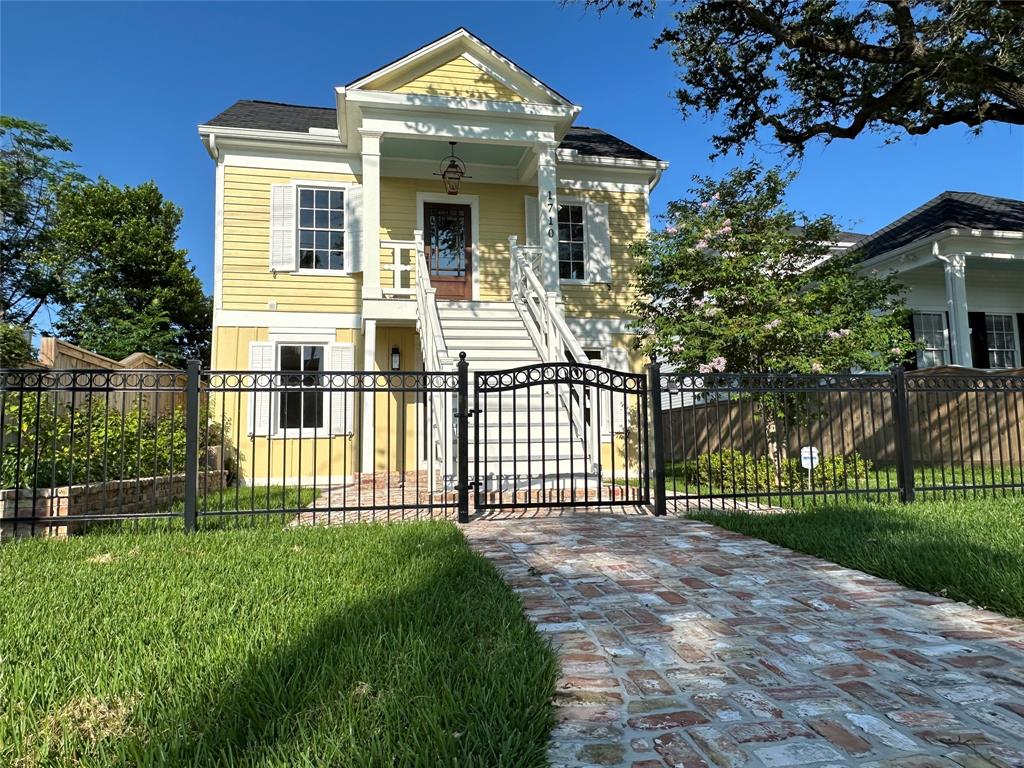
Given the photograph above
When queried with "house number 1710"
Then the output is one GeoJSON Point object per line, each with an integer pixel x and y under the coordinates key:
{"type": "Point", "coordinates": [550, 205]}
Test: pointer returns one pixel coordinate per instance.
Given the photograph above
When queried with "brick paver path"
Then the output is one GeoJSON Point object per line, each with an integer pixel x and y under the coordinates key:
{"type": "Point", "coordinates": [685, 645]}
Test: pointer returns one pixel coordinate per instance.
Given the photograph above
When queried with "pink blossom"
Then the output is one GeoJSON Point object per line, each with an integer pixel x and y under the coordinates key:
{"type": "Point", "coordinates": [726, 227]}
{"type": "Point", "coordinates": [718, 364]}
{"type": "Point", "coordinates": [704, 368]}
{"type": "Point", "coordinates": [701, 244]}
{"type": "Point", "coordinates": [711, 311]}
{"type": "Point", "coordinates": [671, 230]}
{"type": "Point", "coordinates": [771, 326]}
{"type": "Point", "coordinates": [715, 196]}
{"type": "Point", "coordinates": [844, 332]}
{"type": "Point", "coordinates": [816, 367]}
{"type": "Point", "coordinates": [895, 351]}
{"type": "Point", "coordinates": [834, 335]}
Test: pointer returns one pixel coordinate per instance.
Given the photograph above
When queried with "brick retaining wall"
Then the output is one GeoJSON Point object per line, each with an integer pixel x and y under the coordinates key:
{"type": "Point", "coordinates": [120, 497]}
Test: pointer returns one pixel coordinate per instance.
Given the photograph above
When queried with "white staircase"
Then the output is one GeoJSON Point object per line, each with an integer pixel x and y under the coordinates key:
{"type": "Point", "coordinates": [526, 435]}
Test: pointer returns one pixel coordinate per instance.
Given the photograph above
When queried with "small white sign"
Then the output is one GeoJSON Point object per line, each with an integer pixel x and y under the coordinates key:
{"type": "Point", "coordinates": [808, 457]}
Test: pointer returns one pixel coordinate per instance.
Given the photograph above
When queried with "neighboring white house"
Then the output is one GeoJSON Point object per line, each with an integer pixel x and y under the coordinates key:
{"type": "Point", "coordinates": [961, 255]}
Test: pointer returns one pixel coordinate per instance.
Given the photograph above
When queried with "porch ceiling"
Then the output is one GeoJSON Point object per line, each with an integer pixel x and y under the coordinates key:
{"type": "Point", "coordinates": [437, 149]}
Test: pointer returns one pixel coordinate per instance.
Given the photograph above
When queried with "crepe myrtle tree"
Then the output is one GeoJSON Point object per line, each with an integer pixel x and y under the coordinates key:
{"type": "Point", "coordinates": [739, 282]}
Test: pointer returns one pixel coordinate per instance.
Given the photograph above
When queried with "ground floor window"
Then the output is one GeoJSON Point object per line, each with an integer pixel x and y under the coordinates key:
{"type": "Point", "coordinates": [302, 408]}
{"type": "Point", "coordinates": [1002, 341]}
{"type": "Point", "coordinates": [930, 329]}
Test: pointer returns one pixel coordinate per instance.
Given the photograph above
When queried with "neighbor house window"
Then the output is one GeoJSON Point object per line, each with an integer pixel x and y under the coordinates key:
{"type": "Point", "coordinates": [301, 404]}
{"type": "Point", "coordinates": [1002, 341]}
{"type": "Point", "coordinates": [570, 242]}
{"type": "Point", "coordinates": [930, 328]}
{"type": "Point", "coordinates": [321, 228]}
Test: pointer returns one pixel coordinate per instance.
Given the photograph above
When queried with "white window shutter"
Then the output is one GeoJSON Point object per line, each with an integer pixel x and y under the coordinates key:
{"type": "Point", "coordinates": [532, 221]}
{"type": "Point", "coordinates": [283, 256]}
{"type": "Point", "coordinates": [261, 414]}
{"type": "Point", "coordinates": [354, 229]}
{"type": "Point", "coordinates": [599, 247]}
{"type": "Point", "coordinates": [619, 360]}
{"type": "Point", "coordinates": [341, 359]}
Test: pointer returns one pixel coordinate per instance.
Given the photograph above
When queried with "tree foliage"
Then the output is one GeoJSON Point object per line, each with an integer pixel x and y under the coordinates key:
{"type": "Point", "coordinates": [739, 282]}
{"type": "Point", "coordinates": [31, 170]}
{"type": "Point", "coordinates": [130, 289]}
{"type": "Point", "coordinates": [15, 347]}
{"type": "Point", "coordinates": [832, 69]}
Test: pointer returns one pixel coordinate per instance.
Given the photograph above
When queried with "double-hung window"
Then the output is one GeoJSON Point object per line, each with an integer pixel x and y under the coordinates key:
{"type": "Point", "coordinates": [571, 242]}
{"type": "Point", "coordinates": [930, 329]}
{"type": "Point", "coordinates": [1002, 341]}
{"type": "Point", "coordinates": [301, 402]}
{"type": "Point", "coordinates": [321, 228]}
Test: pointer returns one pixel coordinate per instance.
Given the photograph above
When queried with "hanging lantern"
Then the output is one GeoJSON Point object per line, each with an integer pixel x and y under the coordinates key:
{"type": "Point", "coordinates": [452, 172]}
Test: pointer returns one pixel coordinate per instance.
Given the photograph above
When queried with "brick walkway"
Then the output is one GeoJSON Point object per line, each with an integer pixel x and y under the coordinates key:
{"type": "Point", "coordinates": [686, 645]}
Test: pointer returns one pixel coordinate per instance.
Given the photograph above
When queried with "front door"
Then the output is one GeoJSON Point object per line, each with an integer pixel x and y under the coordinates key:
{"type": "Point", "coordinates": [448, 246]}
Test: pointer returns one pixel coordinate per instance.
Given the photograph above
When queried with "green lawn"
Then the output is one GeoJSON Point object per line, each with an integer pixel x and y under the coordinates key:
{"type": "Point", "coordinates": [356, 645]}
{"type": "Point", "coordinates": [969, 549]}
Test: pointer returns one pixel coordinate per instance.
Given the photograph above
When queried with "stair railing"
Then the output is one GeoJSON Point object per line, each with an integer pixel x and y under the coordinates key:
{"type": "Point", "coordinates": [435, 358]}
{"type": "Point", "coordinates": [544, 317]}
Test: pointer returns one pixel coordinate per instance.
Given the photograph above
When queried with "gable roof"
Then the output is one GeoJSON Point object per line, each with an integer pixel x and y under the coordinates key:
{"type": "Point", "coordinates": [968, 210]}
{"type": "Point", "coordinates": [459, 40]}
{"type": "Point", "coordinates": [275, 116]}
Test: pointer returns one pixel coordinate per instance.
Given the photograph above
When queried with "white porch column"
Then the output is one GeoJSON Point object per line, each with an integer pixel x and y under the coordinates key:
{"type": "Point", "coordinates": [547, 198]}
{"type": "Point", "coordinates": [369, 364]}
{"type": "Point", "coordinates": [371, 213]}
{"type": "Point", "coordinates": [954, 266]}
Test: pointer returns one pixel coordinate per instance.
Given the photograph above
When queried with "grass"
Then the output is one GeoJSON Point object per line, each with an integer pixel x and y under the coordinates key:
{"type": "Point", "coordinates": [969, 549]}
{"type": "Point", "coordinates": [357, 645]}
{"type": "Point", "coordinates": [881, 482]}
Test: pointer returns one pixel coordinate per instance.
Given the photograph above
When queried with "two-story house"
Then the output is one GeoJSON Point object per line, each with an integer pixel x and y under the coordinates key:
{"type": "Point", "coordinates": [447, 203]}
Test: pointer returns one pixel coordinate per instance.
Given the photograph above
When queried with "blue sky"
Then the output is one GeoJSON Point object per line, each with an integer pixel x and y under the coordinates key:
{"type": "Point", "coordinates": [129, 82]}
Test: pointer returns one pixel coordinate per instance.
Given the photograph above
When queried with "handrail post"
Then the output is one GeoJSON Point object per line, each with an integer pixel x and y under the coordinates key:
{"type": "Point", "coordinates": [904, 457]}
{"type": "Point", "coordinates": [660, 502]}
{"type": "Point", "coordinates": [463, 438]}
{"type": "Point", "coordinates": [191, 442]}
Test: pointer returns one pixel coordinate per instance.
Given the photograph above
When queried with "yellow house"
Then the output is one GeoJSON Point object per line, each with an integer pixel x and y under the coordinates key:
{"type": "Point", "coordinates": [447, 203]}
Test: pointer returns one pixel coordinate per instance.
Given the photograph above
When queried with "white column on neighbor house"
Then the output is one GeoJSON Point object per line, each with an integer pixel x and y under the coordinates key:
{"type": "Point", "coordinates": [371, 213]}
{"type": "Point", "coordinates": [547, 209]}
{"type": "Point", "coordinates": [369, 364]}
{"type": "Point", "coordinates": [954, 266]}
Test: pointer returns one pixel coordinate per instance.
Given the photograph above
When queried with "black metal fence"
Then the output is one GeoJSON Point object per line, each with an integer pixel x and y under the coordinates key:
{"type": "Point", "coordinates": [762, 441]}
{"type": "Point", "coordinates": [82, 449]}
{"type": "Point", "coordinates": [86, 448]}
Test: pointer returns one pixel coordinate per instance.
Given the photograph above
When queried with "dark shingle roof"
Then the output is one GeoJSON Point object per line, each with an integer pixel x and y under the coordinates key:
{"type": "Point", "coordinates": [274, 116]}
{"type": "Point", "coordinates": [950, 209]}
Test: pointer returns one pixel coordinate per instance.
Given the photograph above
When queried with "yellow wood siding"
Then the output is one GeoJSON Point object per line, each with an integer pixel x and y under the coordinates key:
{"type": "Point", "coordinates": [248, 283]}
{"type": "Point", "coordinates": [460, 77]}
{"type": "Point", "coordinates": [627, 223]}
{"type": "Point", "coordinates": [261, 457]}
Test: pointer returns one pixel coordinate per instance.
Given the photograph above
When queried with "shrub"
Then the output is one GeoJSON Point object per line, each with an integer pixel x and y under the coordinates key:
{"type": "Point", "coordinates": [46, 444]}
{"type": "Point", "coordinates": [732, 470]}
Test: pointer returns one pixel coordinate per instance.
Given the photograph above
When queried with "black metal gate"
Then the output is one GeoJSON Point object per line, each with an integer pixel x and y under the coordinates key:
{"type": "Point", "coordinates": [560, 435]}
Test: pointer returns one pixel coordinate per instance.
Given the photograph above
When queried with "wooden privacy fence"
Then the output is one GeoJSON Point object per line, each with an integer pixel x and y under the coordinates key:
{"type": "Point", "coordinates": [947, 422]}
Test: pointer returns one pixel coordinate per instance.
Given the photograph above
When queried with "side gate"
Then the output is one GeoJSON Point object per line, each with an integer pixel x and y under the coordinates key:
{"type": "Point", "coordinates": [560, 435]}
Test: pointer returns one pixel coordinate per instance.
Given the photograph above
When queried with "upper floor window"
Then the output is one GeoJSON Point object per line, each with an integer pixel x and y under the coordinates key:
{"type": "Point", "coordinates": [930, 328]}
{"type": "Point", "coordinates": [301, 405]}
{"type": "Point", "coordinates": [571, 243]}
{"type": "Point", "coordinates": [321, 228]}
{"type": "Point", "coordinates": [1002, 341]}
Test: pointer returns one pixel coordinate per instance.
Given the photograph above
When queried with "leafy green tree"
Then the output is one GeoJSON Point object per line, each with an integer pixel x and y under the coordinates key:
{"type": "Point", "coordinates": [31, 170]}
{"type": "Point", "coordinates": [15, 347]}
{"type": "Point", "coordinates": [738, 282]}
{"type": "Point", "coordinates": [822, 68]}
{"type": "Point", "coordinates": [131, 289]}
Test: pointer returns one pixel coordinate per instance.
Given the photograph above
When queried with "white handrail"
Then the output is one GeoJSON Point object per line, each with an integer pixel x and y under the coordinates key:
{"type": "Point", "coordinates": [435, 358]}
{"type": "Point", "coordinates": [544, 318]}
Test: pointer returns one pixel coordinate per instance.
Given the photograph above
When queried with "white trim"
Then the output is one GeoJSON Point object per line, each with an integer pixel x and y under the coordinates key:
{"type": "Point", "coordinates": [1014, 329]}
{"type": "Point", "coordinates": [346, 258]}
{"type": "Point", "coordinates": [291, 161]}
{"type": "Point", "coordinates": [517, 110]}
{"type": "Point", "coordinates": [595, 185]}
{"type": "Point", "coordinates": [257, 318]}
{"type": "Point", "coordinates": [598, 329]}
{"type": "Point", "coordinates": [218, 237]}
{"type": "Point", "coordinates": [473, 201]}
{"type": "Point", "coordinates": [286, 335]}
{"type": "Point", "coordinates": [297, 137]}
{"type": "Point", "coordinates": [573, 157]}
